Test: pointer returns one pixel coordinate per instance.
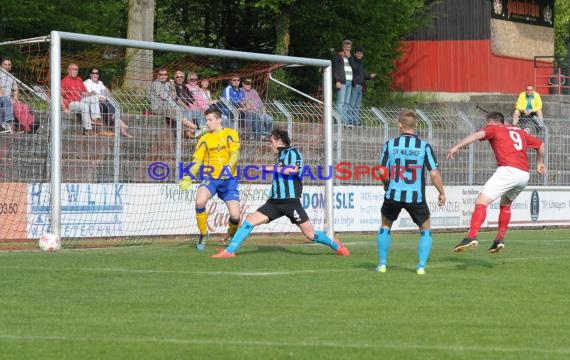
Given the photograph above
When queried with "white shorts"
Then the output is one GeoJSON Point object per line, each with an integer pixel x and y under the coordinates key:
{"type": "Point", "coordinates": [506, 181]}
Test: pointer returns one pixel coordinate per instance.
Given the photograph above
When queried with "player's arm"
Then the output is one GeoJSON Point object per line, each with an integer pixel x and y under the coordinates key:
{"type": "Point", "coordinates": [384, 158]}
{"type": "Point", "coordinates": [288, 169]}
{"type": "Point", "coordinates": [540, 167]}
{"type": "Point", "coordinates": [438, 183]}
{"type": "Point", "coordinates": [478, 135]}
{"type": "Point", "coordinates": [234, 146]}
{"type": "Point", "coordinates": [197, 162]}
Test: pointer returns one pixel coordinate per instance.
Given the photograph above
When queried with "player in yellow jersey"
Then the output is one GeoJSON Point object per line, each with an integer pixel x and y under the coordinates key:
{"type": "Point", "coordinates": [214, 165]}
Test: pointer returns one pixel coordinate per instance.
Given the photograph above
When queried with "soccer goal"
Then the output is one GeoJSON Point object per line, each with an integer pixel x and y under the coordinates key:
{"type": "Point", "coordinates": [57, 179]}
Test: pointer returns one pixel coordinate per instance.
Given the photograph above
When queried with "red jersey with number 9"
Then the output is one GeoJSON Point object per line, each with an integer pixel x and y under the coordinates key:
{"type": "Point", "coordinates": [509, 144]}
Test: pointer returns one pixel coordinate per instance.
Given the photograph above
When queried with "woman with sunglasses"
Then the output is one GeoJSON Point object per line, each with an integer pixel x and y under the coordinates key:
{"type": "Point", "coordinates": [110, 109]}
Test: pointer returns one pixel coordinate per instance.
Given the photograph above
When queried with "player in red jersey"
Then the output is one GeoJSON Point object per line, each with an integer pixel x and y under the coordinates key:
{"type": "Point", "coordinates": [509, 144]}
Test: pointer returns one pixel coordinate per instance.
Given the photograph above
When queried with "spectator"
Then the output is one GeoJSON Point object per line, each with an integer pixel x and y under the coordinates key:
{"type": "Point", "coordinates": [529, 105]}
{"type": "Point", "coordinates": [75, 98]}
{"type": "Point", "coordinates": [234, 94]}
{"type": "Point", "coordinates": [200, 104]}
{"type": "Point", "coordinates": [258, 122]}
{"type": "Point", "coordinates": [23, 116]}
{"type": "Point", "coordinates": [342, 77]}
{"type": "Point", "coordinates": [8, 92]}
{"type": "Point", "coordinates": [110, 109]}
{"type": "Point", "coordinates": [186, 102]}
{"type": "Point", "coordinates": [359, 77]}
{"type": "Point", "coordinates": [205, 92]}
{"type": "Point", "coordinates": [162, 99]}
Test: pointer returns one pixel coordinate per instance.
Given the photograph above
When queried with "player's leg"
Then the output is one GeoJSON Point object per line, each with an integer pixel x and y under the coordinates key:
{"type": "Point", "coordinates": [298, 216]}
{"type": "Point", "coordinates": [390, 211]}
{"type": "Point", "coordinates": [477, 218]}
{"type": "Point", "coordinates": [202, 196]}
{"type": "Point", "coordinates": [497, 185]}
{"type": "Point", "coordinates": [504, 219]}
{"type": "Point", "coordinates": [228, 192]}
{"type": "Point", "coordinates": [242, 233]}
{"type": "Point", "coordinates": [383, 244]}
{"type": "Point", "coordinates": [321, 237]}
{"type": "Point", "coordinates": [233, 209]}
{"type": "Point", "coordinates": [521, 177]}
{"type": "Point", "coordinates": [421, 216]}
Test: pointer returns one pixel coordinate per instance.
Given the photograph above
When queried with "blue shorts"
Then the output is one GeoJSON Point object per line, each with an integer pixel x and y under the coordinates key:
{"type": "Point", "coordinates": [226, 189]}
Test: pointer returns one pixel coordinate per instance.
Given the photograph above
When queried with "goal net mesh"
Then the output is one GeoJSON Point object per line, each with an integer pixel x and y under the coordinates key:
{"type": "Point", "coordinates": [119, 190]}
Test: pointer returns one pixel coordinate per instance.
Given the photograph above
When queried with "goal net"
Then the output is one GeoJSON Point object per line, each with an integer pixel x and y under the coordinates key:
{"type": "Point", "coordinates": [118, 183]}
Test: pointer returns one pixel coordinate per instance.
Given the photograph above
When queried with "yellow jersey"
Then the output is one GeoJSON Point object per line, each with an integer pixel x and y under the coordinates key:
{"type": "Point", "coordinates": [214, 150]}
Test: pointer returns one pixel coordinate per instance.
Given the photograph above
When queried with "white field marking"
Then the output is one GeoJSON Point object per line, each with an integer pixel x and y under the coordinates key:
{"type": "Point", "coordinates": [312, 344]}
{"type": "Point", "coordinates": [448, 264]}
{"type": "Point", "coordinates": [185, 272]}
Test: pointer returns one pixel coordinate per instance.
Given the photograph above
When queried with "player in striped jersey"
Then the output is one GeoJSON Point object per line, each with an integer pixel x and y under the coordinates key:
{"type": "Point", "coordinates": [404, 159]}
{"type": "Point", "coordinates": [286, 190]}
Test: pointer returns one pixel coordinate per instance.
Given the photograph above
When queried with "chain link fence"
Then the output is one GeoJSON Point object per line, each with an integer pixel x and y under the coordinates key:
{"type": "Point", "coordinates": [24, 157]}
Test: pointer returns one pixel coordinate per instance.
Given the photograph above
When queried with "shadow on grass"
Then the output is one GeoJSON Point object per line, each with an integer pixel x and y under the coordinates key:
{"type": "Point", "coordinates": [371, 266]}
{"type": "Point", "coordinates": [282, 249]}
{"type": "Point", "coordinates": [463, 262]}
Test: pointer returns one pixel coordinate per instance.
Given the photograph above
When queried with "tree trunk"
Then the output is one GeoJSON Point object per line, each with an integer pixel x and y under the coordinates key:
{"type": "Point", "coordinates": [282, 26]}
{"type": "Point", "coordinates": [139, 72]}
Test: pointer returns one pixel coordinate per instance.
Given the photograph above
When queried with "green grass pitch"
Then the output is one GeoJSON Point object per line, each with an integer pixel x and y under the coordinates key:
{"type": "Point", "coordinates": [295, 301]}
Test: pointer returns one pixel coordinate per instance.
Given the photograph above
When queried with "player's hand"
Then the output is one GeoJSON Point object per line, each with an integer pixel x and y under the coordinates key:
{"type": "Point", "coordinates": [441, 200]}
{"type": "Point", "coordinates": [450, 153]}
{"type": "Point", "coordinates": [541, 168]}
{"type": "Point", "coordinates": [185, 183]}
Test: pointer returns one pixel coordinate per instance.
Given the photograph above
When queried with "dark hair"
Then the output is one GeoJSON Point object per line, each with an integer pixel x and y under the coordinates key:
{"type": "Point", "coordinates": [281, 134]}
{"type": "Point", "coordinates": [95, 68]}
{"type": "Point", "coordinates": [213, 110]}
{"type": "Point", "coordinates": [496, 117]}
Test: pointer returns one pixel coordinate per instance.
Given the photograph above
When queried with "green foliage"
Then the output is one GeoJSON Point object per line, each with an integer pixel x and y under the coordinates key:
{"type": "Point", "coordinates": [26, 19]}
{"type": "Point", "coordinates": [561, 28]}
{"type": "Point", "coordinates": [377, 26]}
{"type": "Point", "coordinates": [308, 28]}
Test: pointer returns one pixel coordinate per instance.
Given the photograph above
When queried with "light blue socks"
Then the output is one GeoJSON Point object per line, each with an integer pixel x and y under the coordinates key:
{"type": "Point", "coordinates": [383, 242]}
{"type": "Point", "coordinates": [241, 234]}
{"type": "Point", "coordinates": [322, 238]}
{"type": "Point", "coordinates": [424, 248]}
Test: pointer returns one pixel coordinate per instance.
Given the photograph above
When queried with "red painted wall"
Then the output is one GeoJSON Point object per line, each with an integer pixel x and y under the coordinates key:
{"type": "Point", "coordinates": [463, 66]}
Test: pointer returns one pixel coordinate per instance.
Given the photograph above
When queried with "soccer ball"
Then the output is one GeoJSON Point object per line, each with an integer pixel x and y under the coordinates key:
{"type": "Point", "coordinates": [49, 243]}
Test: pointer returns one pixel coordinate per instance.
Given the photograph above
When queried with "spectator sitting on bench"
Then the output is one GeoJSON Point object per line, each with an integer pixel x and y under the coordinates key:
{"type": "Point", "coordinates": [162, 100]}
{"type": "Point", "coordinates": [529, 103]}
{"type": "Point", "coordinates": [75, 98]}
{"type": "Point", "coordinates": [187, 105]}
{"type": "Point", "coordinates": [110, 109]}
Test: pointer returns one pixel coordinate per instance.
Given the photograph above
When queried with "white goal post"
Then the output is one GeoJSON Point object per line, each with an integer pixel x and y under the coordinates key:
{"type": "Point", "coordinates": [56, 38]}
